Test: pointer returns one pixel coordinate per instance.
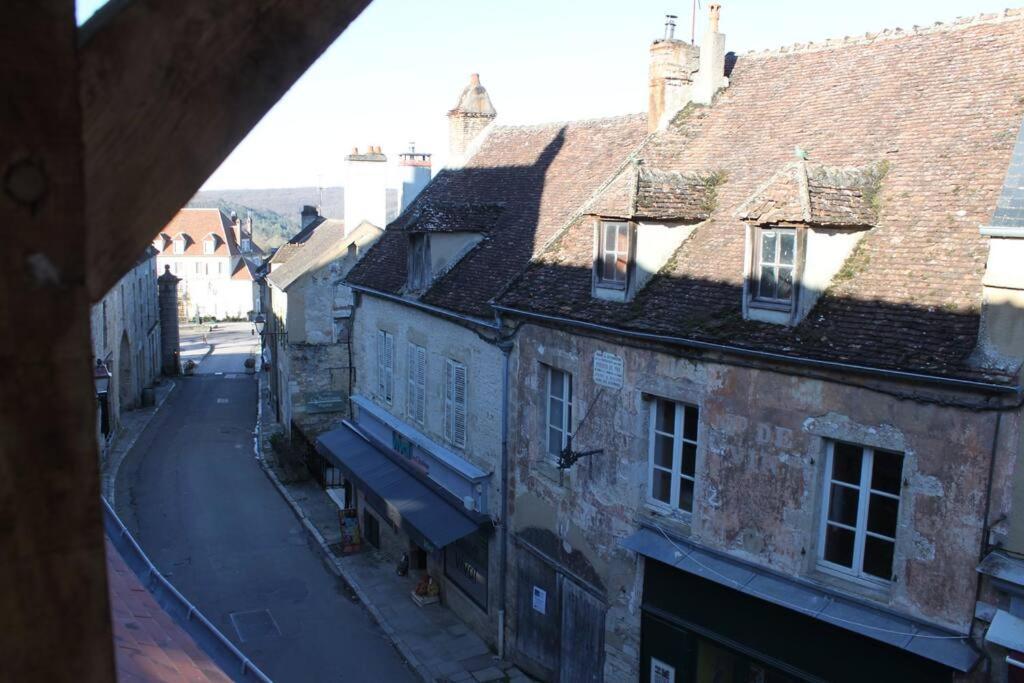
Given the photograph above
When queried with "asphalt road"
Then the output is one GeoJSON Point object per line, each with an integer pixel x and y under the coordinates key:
{"type": "Point", "coordinates": [210, 520]}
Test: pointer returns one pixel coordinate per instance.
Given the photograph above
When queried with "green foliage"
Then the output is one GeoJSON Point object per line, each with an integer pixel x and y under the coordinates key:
{"type": "Point", "coordinates": [873, 185]}
{"type": "Point", "coordinates": [711, 182]}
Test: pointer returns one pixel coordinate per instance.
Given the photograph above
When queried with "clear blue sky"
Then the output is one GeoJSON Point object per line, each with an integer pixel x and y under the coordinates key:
{"type": "Point", "coordinates": [399, 68]}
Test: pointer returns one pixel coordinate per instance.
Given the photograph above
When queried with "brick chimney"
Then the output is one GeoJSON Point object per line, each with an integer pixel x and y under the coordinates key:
{"type": "Point", "coordinates": [473, 113]}
{"type": "Point", "coordinates": [681, 73]}
{"type": "Point", "coordinates": [309, 214]}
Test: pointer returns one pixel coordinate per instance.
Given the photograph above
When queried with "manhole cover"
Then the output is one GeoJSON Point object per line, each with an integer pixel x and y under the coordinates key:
{"type": "Point", "coordinates": [255, 624]}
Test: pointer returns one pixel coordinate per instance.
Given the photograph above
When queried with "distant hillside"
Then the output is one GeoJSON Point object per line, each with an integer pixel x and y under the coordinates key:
{"type": "Point", "coordinates": [275, 212]}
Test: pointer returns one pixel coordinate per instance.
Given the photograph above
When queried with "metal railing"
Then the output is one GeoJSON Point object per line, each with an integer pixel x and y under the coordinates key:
{"type": "Point", "coordinates": [208, 636]}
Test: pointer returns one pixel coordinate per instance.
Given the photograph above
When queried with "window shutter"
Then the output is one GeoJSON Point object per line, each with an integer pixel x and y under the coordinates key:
{"type": "Point", "coordinates": [421, 384]}
{"type": "Point", "coordinates": [448, 373]}
{"type": "Point", "coordinates": [410, 391]}
{"type": "Point", "coordinates": [389, 366]}
{"type": "Point", "coordinates": [459, 421]}
{"type": "Point", "coordinates": [380, 362]}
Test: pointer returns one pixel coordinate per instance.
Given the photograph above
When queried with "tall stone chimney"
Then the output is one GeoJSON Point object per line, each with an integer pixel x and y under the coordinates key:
{"type": "Point", "coordinates": [711, 74]}
{"type": "Point", "coordinates": [673, 64]}
{"type": "Point", "coordinates": [309, 214]}
{"type": "Point", "coordinates": [366, 183]}
{"type": "Point", "coordinates": [414, 174]}
{"type": "Point", "coordinates": [681, 73]}
{"type": "Point", "coordinates": [473, 113]}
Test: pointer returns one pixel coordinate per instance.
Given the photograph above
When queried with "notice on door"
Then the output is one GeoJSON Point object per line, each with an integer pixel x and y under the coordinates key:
{"type": "Point", "coordinates": [540, 600]}
{"type": "Point", "coordinates": [608, 370]}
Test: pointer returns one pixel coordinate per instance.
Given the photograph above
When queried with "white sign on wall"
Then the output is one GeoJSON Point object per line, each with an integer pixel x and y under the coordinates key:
{"type": "Point", "coordinates": [608, 369]}
{"type": "Point", "coordinates": [540, 600]}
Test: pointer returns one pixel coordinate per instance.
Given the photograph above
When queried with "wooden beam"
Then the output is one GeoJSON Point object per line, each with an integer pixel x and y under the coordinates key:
{"type": "Point", "coordinates": [54, 616]}
{"type": "Point", "coordinates": [168, 89]}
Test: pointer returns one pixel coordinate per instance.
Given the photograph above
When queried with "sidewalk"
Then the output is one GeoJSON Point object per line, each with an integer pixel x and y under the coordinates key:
{"type": "Point", "coordinates": [436, 643]}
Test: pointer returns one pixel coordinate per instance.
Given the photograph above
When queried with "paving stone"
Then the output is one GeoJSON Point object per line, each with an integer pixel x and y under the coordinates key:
{"type": "Point", "coordinates": [478, 662]}
{"type": "Point", "coordinates": [491, 673]}
{"type": "Point", "coordinates": [457, 630]}
{"type": "Point", "coordinates": [460, 676]}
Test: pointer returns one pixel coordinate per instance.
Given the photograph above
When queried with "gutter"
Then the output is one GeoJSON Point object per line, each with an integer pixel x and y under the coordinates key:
{"type": "Point", "coordinates": [768, 355]}
{"type": "Point", "coordinates": [436, 310]}
{"type": "Point", "coordinates": [506, 350]}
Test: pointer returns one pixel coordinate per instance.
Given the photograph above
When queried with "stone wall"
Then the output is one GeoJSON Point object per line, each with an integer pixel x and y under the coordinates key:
{"type": "Point", "coordinates": [759, 475]}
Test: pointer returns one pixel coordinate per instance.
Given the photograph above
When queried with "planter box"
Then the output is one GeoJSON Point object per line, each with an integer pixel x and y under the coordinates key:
{"type": "Point", "coordinates": [424, 600]}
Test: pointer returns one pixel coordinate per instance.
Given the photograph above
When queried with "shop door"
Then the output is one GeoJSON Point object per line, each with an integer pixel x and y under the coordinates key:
{"type": "Point", "coordinates": [538, 618]}
{"type": "Point", "coordinates": [582, 648]}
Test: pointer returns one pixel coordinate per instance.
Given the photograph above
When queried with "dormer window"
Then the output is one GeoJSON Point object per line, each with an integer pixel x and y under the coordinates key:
{"type": "Point", "coordinates": [775, 268]}
{"type": "Point", "coordinates": [419, 261]}
{"type": "Point", "coordinates": [209, 245]}
{"type": "Point", "coordinates": [246, 245]}
{"type": "Point", "coordinates": [611, 263]}
{"type": "Point", "coordinates": [179, 244]}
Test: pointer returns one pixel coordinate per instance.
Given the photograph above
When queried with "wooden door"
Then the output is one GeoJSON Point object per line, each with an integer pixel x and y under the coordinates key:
{"type": "Point", "coordinates": [582, 641]}
{"type": "Point", "coordinates": [538, 619]}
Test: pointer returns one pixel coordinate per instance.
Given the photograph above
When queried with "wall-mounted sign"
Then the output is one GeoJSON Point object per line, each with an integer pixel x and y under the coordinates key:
{"type": "Point", "coordinates": [540, 600]}
{"type": "Point", "coordinates": [608, 370]}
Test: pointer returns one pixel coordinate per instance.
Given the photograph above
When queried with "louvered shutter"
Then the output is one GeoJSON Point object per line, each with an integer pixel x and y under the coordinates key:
{"type": "Point", "coordinates": [459, 401]}
{"type": "Point", "coordinates": [421, 384]}
{"type": "Point", "coordinates": [410, 390]}
{"type": "Point", "coordinates": [389, 367]}
{"type": "Point", "coordinates": [380, 362]}
{"type": "Point", "coordinates": [448, 374]}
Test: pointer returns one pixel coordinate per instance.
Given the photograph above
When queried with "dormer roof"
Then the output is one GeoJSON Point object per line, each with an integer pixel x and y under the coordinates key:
{"type": "Point", "coordinates": [814, 194]}
{"type": "Point", "coordinates": [196, 225]}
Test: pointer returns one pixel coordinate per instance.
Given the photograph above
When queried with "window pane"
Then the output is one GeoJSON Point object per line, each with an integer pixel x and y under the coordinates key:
{"type": "Point", "coordinates": [768, 247]}
{"type": "Point", "coordinates": [609, 267]}
{"type": "Point", "coordinates": [878, 557]}
{"type": "Point", "coordinates": [690, 423]}
{"type": "Point", "coordinates": [663, 451]}
{"type": "Point", "coordinates": [665, 416]}
{"type": "Point", "coordinates": [555, 412]}
{"type": "Point", "coordinates": [887, 472]}
{"type": "Point", "coordinates": [766, 287]}
{"type": "Point", "coordinates": [686, 495]}
{"type": "Point", "coordinates": [846, 462]}
{"type": "Point", "coordinates": [661, 488]}
{"type": "Point", "coordinates": [623, 239]}
{"type": "Point", "coordinates": [842, 504]}
{"type": "Point", "coordinates": [610, 230]}
{"type": "Point", "coordinates": [785, 283]}
{"type": "Point", "coordinates": [689, 463]}
{"type": "Point", "coordinates": [554, 441]}
{"type": "Point", "coordinates": [557, 381]}
{"type": "Point", "coordinates": [787, 248]}
{"type": "Point", "coordinates": [839, 545]}
{"type": "Point", "coordinates": [621, 264]}
{"type": "Point", "coordinates": [882, 513]}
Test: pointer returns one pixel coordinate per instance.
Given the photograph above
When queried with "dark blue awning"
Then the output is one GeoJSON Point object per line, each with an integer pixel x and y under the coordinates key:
{"type": "Point", "coordinates": [411, 504]}
{"type": "Point", "coordinates": [925, 640]}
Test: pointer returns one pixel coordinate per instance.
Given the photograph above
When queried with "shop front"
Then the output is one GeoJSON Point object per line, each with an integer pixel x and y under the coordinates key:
{"type": "Point", "coordinates": [708, 618]}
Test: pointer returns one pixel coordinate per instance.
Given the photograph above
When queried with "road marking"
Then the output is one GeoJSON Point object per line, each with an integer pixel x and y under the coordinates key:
{"type": "Point", "coordinates": [255, 624]}
{"type": "Point", "coordinates": [222, 400]}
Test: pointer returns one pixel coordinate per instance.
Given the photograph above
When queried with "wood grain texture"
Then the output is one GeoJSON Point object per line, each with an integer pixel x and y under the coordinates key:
{"type": "Point", "coordinates": [54, 618]}
{"type": "Point", "coordinates": [168, 89]}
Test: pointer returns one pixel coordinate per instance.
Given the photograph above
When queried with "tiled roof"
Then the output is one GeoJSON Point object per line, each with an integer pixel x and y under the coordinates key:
{"type": "Point", "coordinates": [937, 109]}
{"type": "Point", "coordinates": [148, 645]}
{"type": "Point", "coordinates": [292, 246]}
{"type": "Point", "coordinates": [447, 217]}
{"type": "Point", "coordinates": [814, 194]}
{"type": "Point", "coordinates": [539, 175]}
{"type": "Point", "coordinates": [324, 244]}
{"type": "Point", "coordinates": [244, 270]}
{"type": "Point", "coordinates": [196, 225]}
{"type": "Point", "coordinates": [1009, 211]}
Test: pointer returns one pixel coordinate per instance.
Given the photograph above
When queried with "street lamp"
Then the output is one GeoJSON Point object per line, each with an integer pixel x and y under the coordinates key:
{"type": "Point", "coordinates": [258, 324]}
{"type": "Point", "coordinates": [101, 376]}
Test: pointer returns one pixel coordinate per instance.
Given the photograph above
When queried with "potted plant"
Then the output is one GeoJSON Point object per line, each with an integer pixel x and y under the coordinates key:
{"type": "Point", "coordinates": [426, 591]}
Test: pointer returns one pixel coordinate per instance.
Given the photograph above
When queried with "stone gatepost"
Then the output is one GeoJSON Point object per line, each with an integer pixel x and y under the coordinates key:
{"type": "Point", "coordinates": [168, 298]}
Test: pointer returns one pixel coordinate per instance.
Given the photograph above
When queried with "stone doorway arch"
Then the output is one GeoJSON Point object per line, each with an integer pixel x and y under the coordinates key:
{"type": "Point", "coordinates": [125, 375]}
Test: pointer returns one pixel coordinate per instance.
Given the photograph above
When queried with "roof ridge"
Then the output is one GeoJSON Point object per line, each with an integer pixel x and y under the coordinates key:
{"type": "Point", "coordinates": [958, 24]}
{"type": "Point", "coordinates": [573, 122]}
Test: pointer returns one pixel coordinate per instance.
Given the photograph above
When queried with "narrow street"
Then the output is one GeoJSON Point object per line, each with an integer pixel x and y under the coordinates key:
{"type": "Point", "coordinates": [203, 510]}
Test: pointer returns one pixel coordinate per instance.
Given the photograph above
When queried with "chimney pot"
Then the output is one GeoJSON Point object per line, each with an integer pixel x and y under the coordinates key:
{"type": "Point", "coordinates": [355, 150]}
{"type": "Point", "coordinates": [474, 80]}
{"type": "Point", "coordinates": [670, 26]}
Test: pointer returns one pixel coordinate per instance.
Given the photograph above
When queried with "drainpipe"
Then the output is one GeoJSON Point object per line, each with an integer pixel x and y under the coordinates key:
{"type": "Point", "coordinates": [506, 349]}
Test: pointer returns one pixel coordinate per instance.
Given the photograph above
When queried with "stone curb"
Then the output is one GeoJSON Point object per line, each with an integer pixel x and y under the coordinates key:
{"type": "Point", "coordinates": [333, 562]}
{"type": "Point", "coordinates": [108, 483]}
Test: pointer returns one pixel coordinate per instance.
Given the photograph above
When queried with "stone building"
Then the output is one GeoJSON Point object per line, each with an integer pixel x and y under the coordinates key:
{"type": "Point", "coordinates": [216, 258]}
{"type": "Point", "coordinates": [428, 406]}
{"type": "Point", "coordinates": [765, 383]}
{"type": "Point", "coordinates": [125, 328]}
{"type": "Point", "coordinates": [310, 314]}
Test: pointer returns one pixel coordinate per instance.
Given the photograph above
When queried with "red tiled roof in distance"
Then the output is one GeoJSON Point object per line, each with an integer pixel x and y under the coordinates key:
{"type": "Point", "coordinates": [196, 225]}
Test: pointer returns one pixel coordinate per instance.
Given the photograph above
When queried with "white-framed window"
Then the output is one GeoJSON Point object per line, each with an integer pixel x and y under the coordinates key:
{"type": "Point", "coordinates": [199, 268]}
{"type": "Point", "coordinates": [179, 244]}
{"type": "Point", "coordinates": [419, 261]}
{"type": "Point", "coordinates": [455, 403]}
{"type": "Point", "coordinates": [416, 396]}
{"type": "Point", "coordinates": [662, 672]}
{"type": "Point", "coordinates": [860, 510]}
{"type": "Point", "coordinates": [612, 262]}
{"type": "Point", "coordinates": [209, 246]}
{"type": "Point", "coordinates": [775, 266]}
{"type": "Point", "coordinates": [385, 366]}
{"type": "Point", "coordinates": [246, 245]}
{"type": "Point", "coordinates": [558, 409]}
{"type": "Point", "coordinates": [672, 467]}
{"type": "Point", "coordinates": [220, 267]}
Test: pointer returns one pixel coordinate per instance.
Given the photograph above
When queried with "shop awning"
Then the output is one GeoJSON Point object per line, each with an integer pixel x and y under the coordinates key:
{"type": "Point", "coordinates": [939, 645]}
{"type": "Point", "coordinates": [410, 503]}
